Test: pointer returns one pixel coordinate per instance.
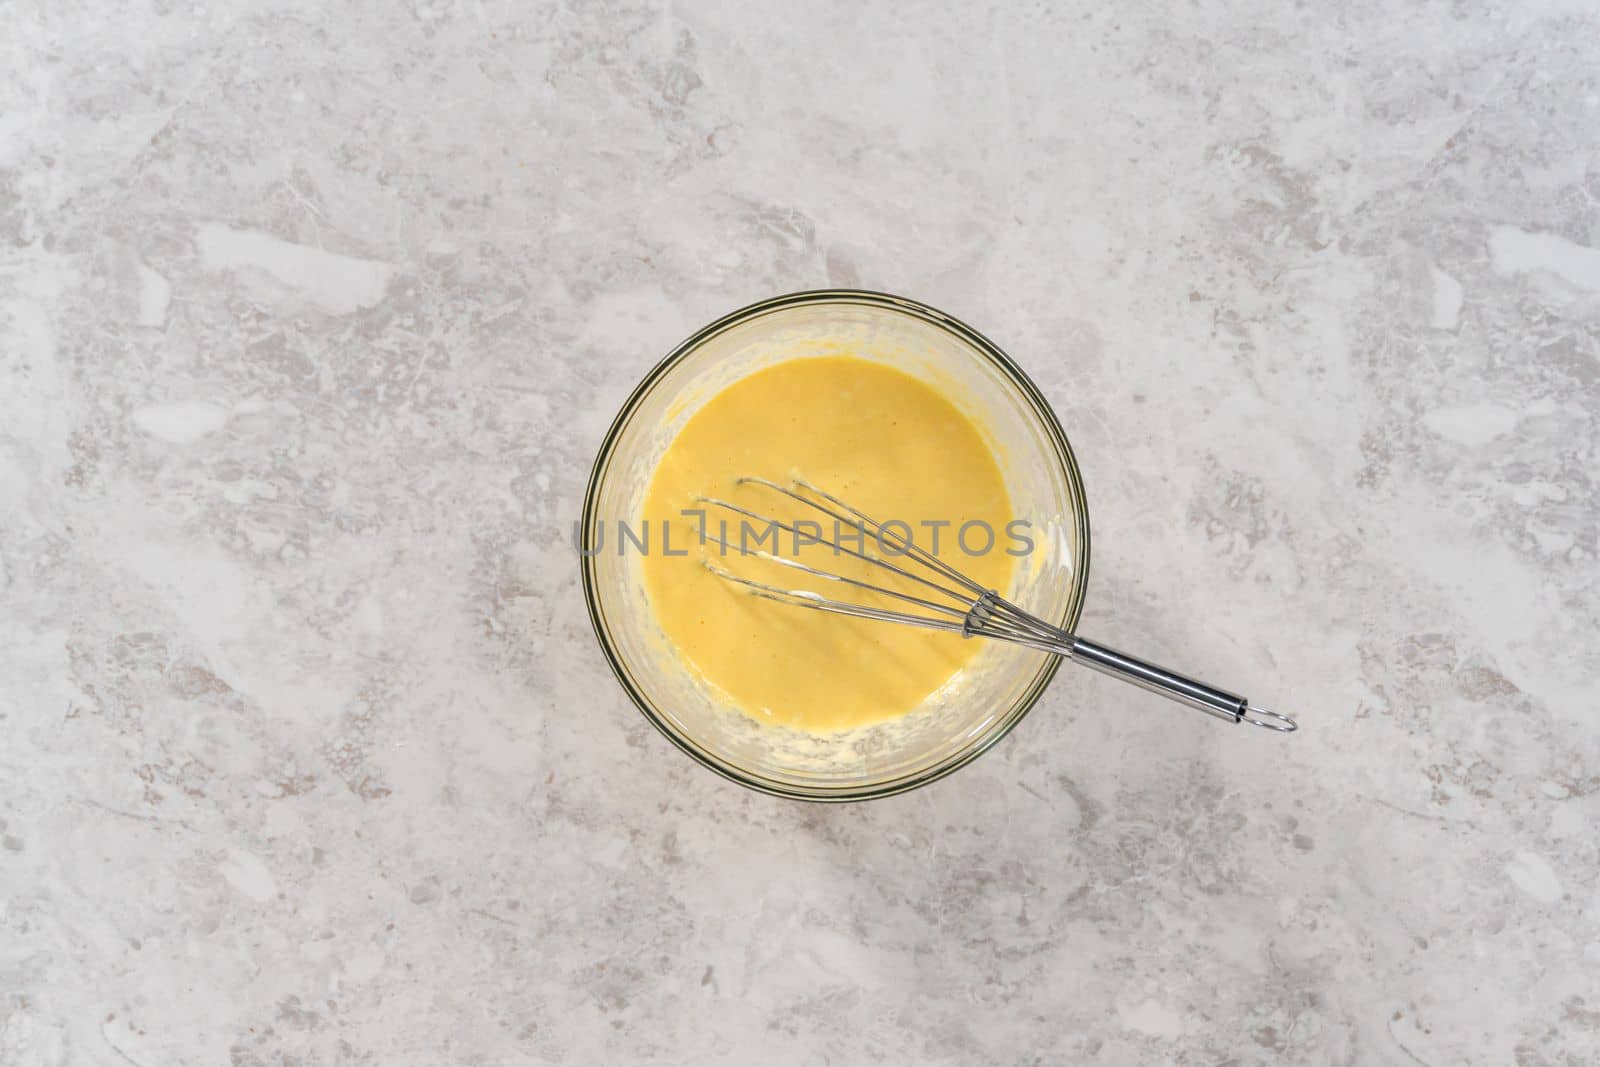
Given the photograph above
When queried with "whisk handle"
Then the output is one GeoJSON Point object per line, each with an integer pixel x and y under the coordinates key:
{"type": "Point", "coordinates": [1184, 690]}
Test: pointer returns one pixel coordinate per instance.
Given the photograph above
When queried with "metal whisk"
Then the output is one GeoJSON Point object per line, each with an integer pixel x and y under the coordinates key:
{"type": "Point", "coordinates": [955, 603]}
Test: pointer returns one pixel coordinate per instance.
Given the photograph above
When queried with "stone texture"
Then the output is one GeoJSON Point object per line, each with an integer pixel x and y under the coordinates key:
{"type": "Point", "coordinates": [312, 316]}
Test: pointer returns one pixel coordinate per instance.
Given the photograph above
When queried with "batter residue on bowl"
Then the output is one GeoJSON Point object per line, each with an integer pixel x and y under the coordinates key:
{"type": "Point", "coordinates": [883, 441]}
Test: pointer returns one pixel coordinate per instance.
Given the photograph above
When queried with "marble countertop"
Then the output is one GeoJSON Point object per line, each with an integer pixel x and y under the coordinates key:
{"type": "Point", "coordinates": [312, 317]}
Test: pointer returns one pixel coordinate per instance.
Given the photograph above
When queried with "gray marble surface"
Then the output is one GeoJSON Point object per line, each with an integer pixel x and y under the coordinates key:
{"type": "Point", "coordinates": [312, 316]}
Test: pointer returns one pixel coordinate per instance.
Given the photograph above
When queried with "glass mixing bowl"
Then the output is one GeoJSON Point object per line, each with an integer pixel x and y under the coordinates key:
{"type": "Point", "coordinates": [989, 696]}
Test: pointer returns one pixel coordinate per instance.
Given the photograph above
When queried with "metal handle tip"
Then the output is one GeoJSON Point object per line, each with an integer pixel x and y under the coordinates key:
{"type": "Point", "coordinates": [1268, 720]}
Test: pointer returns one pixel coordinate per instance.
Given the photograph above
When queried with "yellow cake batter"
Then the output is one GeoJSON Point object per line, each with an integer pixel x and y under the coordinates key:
{"type": "Point", "coordinates": [877, 438]}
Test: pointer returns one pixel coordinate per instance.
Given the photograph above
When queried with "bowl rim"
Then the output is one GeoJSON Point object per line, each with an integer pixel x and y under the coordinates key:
{"type": "Point", "coordinates": [1047, 420]}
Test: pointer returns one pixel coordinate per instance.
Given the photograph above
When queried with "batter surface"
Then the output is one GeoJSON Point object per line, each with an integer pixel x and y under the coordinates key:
{"type": "Point", "coordinates": [877, 438]}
